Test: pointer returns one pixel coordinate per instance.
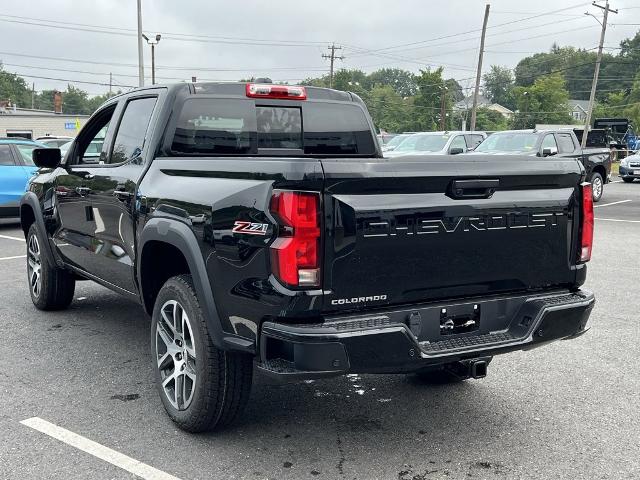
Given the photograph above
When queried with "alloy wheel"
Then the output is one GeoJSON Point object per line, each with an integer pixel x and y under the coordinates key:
{"type": "Point", "coordinates": [597, 187]}
{"type": "Point", "coordinates": [176, 355]}
{"type": "Point", "coordinates": [34, 266]}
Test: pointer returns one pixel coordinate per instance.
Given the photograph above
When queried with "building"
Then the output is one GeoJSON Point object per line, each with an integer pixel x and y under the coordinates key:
{"type": "Point", "coordinates": [483, 102]}
{"type": "Point", "coordinates": [31, 123]}
{"type": "Point", "coordinates": [579, 109]}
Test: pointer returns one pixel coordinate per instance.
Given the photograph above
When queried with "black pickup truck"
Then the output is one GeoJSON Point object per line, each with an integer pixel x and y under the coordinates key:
{"type": "Point", "coordinates": [259, 226]}
{"type": "Point", "coordinates": [552, 143]}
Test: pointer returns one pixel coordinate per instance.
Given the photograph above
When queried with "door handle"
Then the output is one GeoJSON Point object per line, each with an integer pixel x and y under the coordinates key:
{"type": "Point", "coordinates": [82, 191]}
{"type": "Point", "coordinates": [473, 188]}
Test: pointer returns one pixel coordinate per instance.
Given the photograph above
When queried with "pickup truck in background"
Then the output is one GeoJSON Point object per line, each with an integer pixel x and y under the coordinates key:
{"type": "Point", "coordinates": [259, 226]}
{"type": "Point", "coordinates": [561, 143]}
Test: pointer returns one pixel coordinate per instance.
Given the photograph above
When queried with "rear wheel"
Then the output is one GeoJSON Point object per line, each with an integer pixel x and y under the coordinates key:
{"type": "Point", "coordinates": [597, 186]}
{"type": "Point", "coordinates": [201, 386]}
{"type": "Point", "coordinates": [50, 287]}
{"type": "Point", "coordinates": [628, 180]}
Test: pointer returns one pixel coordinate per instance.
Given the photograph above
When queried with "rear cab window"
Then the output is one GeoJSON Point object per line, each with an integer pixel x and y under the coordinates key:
{"type": "Point", "coordinates": [238, 126]}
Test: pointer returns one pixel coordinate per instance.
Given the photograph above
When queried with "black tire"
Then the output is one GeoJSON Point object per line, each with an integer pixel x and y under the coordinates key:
{"type": "Point", "coordinates": [597, 184]}
{"type": "Point", "coordinates": [628, 180]}
{"type": "Point", "coordinates": [221, 382]}
{"type": "Point", "coordinates": [50, 287]}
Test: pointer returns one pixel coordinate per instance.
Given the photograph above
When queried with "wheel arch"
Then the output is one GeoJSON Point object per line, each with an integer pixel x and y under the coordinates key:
{"type": "Point", "coordinates": [30, 213]}
{"type": "Point", "coordinates": [165, 235]}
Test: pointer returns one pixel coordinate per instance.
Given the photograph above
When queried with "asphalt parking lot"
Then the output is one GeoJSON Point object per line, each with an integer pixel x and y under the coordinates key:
{"type": "Point", "coordinates": [569, 410]}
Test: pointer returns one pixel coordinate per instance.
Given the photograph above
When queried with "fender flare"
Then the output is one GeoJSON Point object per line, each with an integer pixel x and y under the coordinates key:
{"type": "Point", "coordinates": [31, 200]}
{"type": "Point", "coordinates": [181, 236]}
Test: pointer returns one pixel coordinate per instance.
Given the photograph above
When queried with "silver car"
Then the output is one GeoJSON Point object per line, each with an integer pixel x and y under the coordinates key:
{"type": "Point", "coordinates": [437, 143]}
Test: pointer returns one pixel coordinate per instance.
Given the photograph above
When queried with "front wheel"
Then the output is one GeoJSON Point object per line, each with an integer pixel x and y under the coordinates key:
{"type": "Point", "coordinates": [597, 186]}
{"type": "Point", "coordinates": [628, 180]}
{"type": "Point", "coordinates": [201, 386]}
{"type": "Point", "coordinates": [50, 287]}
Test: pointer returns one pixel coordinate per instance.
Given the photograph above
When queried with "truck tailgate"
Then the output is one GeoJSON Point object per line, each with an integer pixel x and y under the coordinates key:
{"type": "Point", "coordinates": [426, 227]}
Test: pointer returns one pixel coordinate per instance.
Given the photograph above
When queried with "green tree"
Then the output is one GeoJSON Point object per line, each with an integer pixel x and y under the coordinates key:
{"type": "Point", "coordinates": [498, 86]}
{"type": "Point", "coordinates": [14, 89]}
{"type": "Point", "coordinates": [543, 102]}
{"type": "Point", "coordinates": [388, 109]}
{"type": "Point", "coordinates": [490, 120]}
{"type": "Point", "coordinates": [403, 82]}
{"type": "Point", "coordinates": [428, 100]}
{"type": "Point", "coordinates": [75, 101]}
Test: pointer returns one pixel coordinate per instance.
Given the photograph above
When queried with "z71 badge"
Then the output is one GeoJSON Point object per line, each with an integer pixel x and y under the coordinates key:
{"type": "Point", "coordinates": [250, 228]}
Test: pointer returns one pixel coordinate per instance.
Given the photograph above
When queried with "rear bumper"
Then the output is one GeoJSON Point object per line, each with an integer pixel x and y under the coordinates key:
{"type": "Point", "coordinates": [384, 343]}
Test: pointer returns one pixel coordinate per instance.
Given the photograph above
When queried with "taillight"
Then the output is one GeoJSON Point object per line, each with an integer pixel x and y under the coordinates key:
{"type": "Point", "coordinates": [587, 223]}
{"type": "Point", "coordinates": [267, 90]}
{"type": "Point", "coordinates": [295, 254]}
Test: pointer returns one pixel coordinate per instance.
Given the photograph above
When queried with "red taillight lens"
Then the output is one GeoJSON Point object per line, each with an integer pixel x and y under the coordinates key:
{"type": "Point", "coordinates": [295, 254]}
{"type": "Point", "coordinates": [266, 90]}
{"type": "Point", "coordinates": [587, 223]}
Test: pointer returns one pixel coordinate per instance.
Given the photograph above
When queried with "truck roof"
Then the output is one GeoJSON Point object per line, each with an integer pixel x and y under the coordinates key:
{"type": "Point", "coordinates": [238, 89]}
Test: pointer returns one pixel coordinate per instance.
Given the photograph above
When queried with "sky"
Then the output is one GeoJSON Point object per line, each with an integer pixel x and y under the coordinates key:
{"type": "Point", "coordinates": [80, 40]}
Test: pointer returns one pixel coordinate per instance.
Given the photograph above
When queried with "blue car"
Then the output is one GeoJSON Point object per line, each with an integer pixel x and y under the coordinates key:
{"type": "Point", "coordinates": [16, 167]}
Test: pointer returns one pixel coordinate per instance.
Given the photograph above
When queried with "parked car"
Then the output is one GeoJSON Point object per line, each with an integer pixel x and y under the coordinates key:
{"type": "Point", "coordinates": [54, 142]}
{"type": "Point", "coordinates": [630, 167]}
{"type": "Point", "coordinates": [395, 141]}
{"type": "Point", "coordinates": [258, 231]}
{"type": "Point", "coordinates": [16, 167]}
{"type": "Point", "coordinates": [385, 138]}
{"type": "Point", "coordinates": [437, 143]}
{"type": "Point", "coordinates": [552, 143]}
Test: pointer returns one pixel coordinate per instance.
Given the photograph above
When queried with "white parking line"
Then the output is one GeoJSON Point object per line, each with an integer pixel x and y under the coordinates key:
{"type": "Point", "coordinates": [615, 181]}
{"type": "Point", "coordinates": [612, 203]}
{"type": "Point", "coordinates": [118, 459]}
{"type": "Point", "coordinates": [617, 220]}
{"type": "Point", "coordinates": [17, 239]}
{"type": "Point", "coordinates": [12, 258]}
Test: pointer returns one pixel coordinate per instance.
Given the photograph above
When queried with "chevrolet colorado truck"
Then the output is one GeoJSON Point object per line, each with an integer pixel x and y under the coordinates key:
{"type": "Point", "coordinates": [552, 144]}
{"type": "Point", "coordinates": [259, 226]}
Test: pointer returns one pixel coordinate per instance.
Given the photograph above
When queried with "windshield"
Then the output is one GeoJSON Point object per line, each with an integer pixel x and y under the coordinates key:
{"type": "Point", "coordinates": [508, 142]}
{"type": "Point", "coordinates": [25, 151]}
{"type": "Point", "coordinates": [423, 143]}
{"type": "Point", "coordinates": [397, 140]}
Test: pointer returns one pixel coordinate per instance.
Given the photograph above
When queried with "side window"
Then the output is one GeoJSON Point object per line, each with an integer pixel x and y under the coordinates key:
{"type": "Point", "coordinates": [474, 140]}
{"type": "Point", "coordinates": [549, 141]}
{"type": "Point", "coordinates": [132, 131]}
{"type": "Point", "coordinates": [459, 142]}
{"type": "Point", "coordinates": [89, 143]}
{"type": "Point", "coordinates": [565, 143]}
{"type": "Point", "coordinates": [6, 157]}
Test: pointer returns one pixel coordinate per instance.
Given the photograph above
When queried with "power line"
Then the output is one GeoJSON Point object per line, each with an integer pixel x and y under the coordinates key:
{"type": "Point", "coordinates": [173, 36]}
{"type": "Point", "coordinates": [453, 35]}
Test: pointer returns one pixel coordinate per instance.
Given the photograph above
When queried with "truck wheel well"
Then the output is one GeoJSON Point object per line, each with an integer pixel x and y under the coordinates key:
{"type": "Point", "coordinates": [159, 262]}
{"type": "Point", "coordinates": [27, 218]}
{"type": "Point", "coordinates": [600, 169]}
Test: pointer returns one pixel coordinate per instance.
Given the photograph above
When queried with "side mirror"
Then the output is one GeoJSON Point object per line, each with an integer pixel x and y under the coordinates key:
{"type": "Point", "coordinates": [46, 157]}
{"type": "Point", "coordinates": [549, 151]}
{"type": "Point", "coordinates": [456, 150]}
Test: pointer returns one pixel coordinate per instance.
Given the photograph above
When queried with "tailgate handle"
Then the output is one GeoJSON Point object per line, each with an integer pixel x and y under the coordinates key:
{"type": "Point", "coordinates": [473, 188]}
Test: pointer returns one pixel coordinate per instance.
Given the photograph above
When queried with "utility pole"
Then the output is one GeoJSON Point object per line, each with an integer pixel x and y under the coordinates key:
{"type": "Point", "coordinates": [332, 58]}
{"type": "Point", "coordinates": [140, 56]}
{"type": "Point", "coordinates": [110, 82]}
{"type": "Point", "coordinates": [443, 113]}
{"type": "Point", "coordinates": [596, 72]}
{"type": "Point", "coordinates": [474, 108]}
{"type": "Point", "coordinates": [33, 96]}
